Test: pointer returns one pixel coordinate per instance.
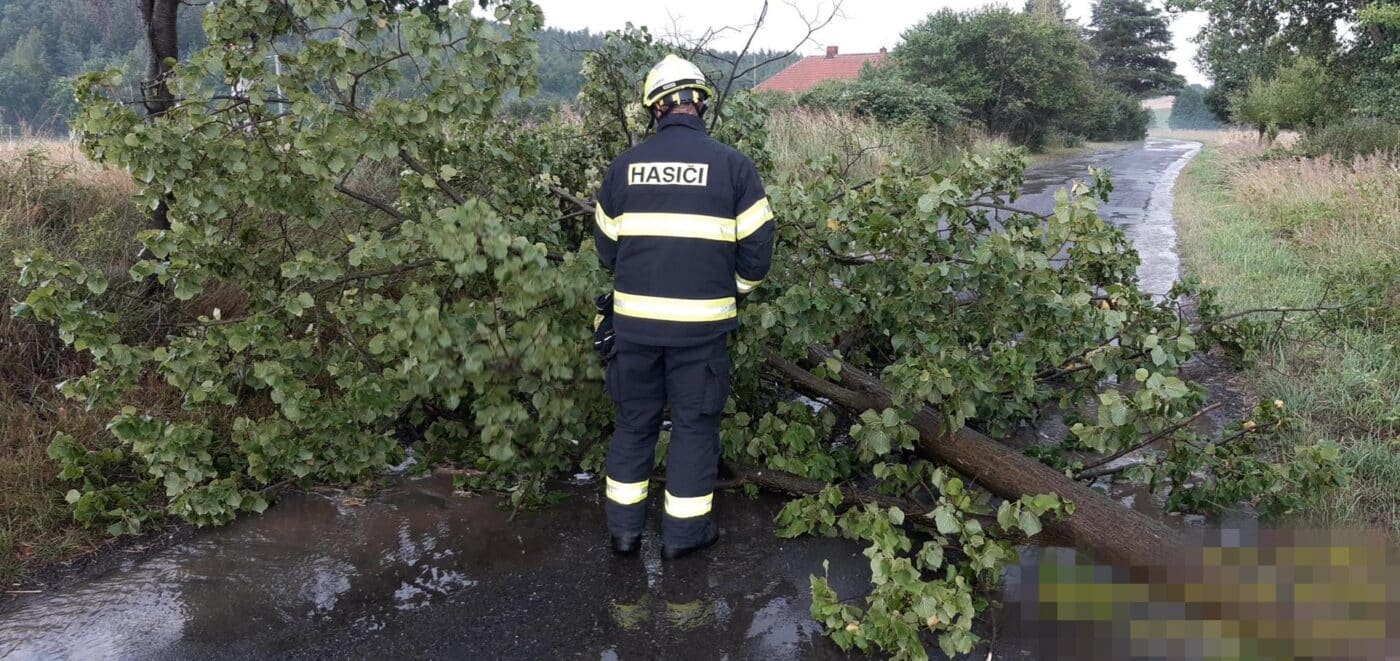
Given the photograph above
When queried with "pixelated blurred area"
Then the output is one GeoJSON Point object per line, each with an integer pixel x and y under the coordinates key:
{"type": "Point", "coordinates": [1239, 594]}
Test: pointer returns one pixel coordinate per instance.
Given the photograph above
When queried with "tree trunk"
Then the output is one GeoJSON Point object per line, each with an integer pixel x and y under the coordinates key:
{"type": "Point", "coordinates": [1100, 527]}
{"type": "Point", "coordinates": [163, 41]}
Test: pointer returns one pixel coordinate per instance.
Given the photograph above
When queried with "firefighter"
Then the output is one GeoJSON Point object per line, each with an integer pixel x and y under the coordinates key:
{"type": "Point", "coordinates": [684, 225]}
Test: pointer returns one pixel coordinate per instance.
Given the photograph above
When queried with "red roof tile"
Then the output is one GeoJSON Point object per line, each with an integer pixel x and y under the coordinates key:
{"type": "Point", "coordinates": [809, 71]}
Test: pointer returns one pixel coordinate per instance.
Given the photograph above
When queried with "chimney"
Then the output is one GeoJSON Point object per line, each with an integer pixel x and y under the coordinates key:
{"type": "Point", "coordinates": [830, 52]}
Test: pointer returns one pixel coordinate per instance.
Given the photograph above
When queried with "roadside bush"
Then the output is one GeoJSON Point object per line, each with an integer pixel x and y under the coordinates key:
{"type": "Point", "coordinates": [1302, 95]}
{"type": "Point", "coordinates": [863, 147]}
{"type": "Point", "coordinates": [1189, 110]}
{"type": "Point", "coordinates": [1013, 72]}
{"type": "Point", "coordinates": [886, 98]}
{"type": "Point", "coordinates": [1351, 138]}
{"type": "Point", "coordinates": [1061, 139]}
{"type": "Point", "coordinates": [1108, 115]}
{"type": "Point", "coordinates": [51, 198]}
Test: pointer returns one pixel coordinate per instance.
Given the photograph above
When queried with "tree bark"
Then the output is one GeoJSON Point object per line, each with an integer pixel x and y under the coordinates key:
{"type": "Point", "coordinates": [163, 42]}
{"type": "Point", "coordinates": [1100, 527]}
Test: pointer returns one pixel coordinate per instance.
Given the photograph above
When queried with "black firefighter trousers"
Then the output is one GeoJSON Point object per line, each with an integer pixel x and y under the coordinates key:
{"type": "Point", "coordinates": [641, 379]}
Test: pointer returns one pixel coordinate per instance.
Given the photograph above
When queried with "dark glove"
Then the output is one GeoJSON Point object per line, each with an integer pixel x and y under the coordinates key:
{"type": "Point", "coordinates": [604, 341]}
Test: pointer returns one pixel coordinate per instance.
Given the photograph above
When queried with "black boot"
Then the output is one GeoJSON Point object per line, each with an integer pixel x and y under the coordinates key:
{"type": "Point", "coordinates": [626, 544]}
{"type": "Point", "coordinates": [677, 552]}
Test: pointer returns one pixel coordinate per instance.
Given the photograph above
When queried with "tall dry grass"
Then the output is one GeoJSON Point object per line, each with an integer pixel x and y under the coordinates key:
{"type": "Point", "coordinates": [51, 198]}
{"type": "Point", "coordinates": [1343, 212]}
{"type": "Point", "coordinates": [1268, 229]}
{"type": "Point", "coordinates": [863, 148]}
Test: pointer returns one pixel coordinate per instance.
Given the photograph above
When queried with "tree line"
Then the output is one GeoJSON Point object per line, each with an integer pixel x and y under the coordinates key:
{"type": "Point", "coordinates": [1033, 75]}
{"type": "Point", "coordinates": [1284, 64]}
{"type": "Point", "coordinates": [45, 45]}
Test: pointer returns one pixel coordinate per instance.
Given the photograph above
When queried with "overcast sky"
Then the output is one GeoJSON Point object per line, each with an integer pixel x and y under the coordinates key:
{"type": "Point", "coordinates": [863, 26]}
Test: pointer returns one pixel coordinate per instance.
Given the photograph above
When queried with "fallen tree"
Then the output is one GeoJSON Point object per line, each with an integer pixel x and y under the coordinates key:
{"type": "Point", "coordinates": [366, 254]}
{"type": "Point", "coordinates": [1098, 522]}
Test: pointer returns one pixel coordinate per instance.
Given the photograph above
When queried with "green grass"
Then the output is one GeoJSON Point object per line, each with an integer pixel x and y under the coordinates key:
{"type": "Point", "coordinates": [1290, 233]}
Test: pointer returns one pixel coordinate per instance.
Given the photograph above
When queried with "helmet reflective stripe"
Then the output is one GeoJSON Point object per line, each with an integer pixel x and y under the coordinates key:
{"type": "Point", "coordinates": [673, 75]}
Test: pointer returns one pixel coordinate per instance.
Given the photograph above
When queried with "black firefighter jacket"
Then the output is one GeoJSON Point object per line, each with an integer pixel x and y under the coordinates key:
{"type": "Point", "coordinates": [684, 225]}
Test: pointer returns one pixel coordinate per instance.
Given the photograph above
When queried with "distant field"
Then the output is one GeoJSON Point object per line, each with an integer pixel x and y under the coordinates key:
{"type": "Point", "coordinates": [1159, 103]}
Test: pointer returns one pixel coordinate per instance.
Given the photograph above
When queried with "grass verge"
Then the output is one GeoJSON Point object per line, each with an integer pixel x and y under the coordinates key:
{"type": "Point", "coordinates": [50, 197]}
{"type": "Point", "coordinates": [1288, 232]}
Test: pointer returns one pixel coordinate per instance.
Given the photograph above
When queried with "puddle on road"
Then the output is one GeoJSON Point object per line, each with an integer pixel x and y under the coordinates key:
{"type": "Point", "coordinates": [421, 571]}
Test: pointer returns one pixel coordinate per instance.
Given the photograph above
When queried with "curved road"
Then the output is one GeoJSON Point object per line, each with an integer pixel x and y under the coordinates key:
{"type": "Point", "coordinates": [420, 573]}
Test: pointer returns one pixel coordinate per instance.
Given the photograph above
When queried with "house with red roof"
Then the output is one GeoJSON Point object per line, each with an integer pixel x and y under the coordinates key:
{"type": "Point", "coordinates": [808, 71]}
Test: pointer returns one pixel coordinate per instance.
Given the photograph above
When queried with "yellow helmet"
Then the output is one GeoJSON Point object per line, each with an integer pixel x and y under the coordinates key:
{"type": "Point", "coordinates": [671, 77]}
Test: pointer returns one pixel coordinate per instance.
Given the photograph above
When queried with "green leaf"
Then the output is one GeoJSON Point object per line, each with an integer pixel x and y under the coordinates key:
{"type": "Point", "coordinates": [1028, 522]}
{"type": "Point", "coordinates": [945, 522]}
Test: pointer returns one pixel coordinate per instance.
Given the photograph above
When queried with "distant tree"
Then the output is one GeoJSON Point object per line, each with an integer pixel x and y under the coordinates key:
{"type": "Point", "coordinates": [1301, 95]}
{"type": "Point", "coordinates": [24, 77]}
{"type": "Point", "coordinates": [1189, 110]}
{"type": "Point", "coordinates": [1131, 40]}
{"type": "Point", "coordinates": [1014, 72]}
{"type": "Point", "coordinates": [74, 36]}
{"type": "Point", "coordinates": [1245, 40]}
{"type": "Point", "coordinates": [1373, 63]}
{"type": "Point", "coordinates": [1051, 9]}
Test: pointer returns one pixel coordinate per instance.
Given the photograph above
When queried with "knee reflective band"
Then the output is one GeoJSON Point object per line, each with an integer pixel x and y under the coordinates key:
{"type": "Point", "coordinates": [687, 508]}
{"type": "Point", "coordinates": [674, 309]}
{"type": "Point", "coordinates": [627, 493]}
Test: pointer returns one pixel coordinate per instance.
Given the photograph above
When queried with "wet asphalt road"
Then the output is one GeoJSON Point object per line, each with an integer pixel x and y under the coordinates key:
{"type": "Point", "coordinates": [420, 573]}
{"type": "Point", "coordinates": [1141, 201]}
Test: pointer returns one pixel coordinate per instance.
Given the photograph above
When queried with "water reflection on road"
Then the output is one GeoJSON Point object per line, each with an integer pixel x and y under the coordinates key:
{"type": "Point", "coordinates": [421, 572]}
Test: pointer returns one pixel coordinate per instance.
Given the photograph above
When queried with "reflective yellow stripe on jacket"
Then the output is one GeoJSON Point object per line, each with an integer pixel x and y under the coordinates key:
{"type": "Point", "coordinates": [687, 508]}
{"type": "Point", "coordinates": [751, 219]}
{"type": "Point", "coordinates": [678, 225]}
{"type": "Point", "coordinates": [626, 493]}
{"type": "Point", "coordinates": [745, 286]}
{"type": "Point", "coordinates": [674, 309]}
{"type": "Point", "coordinates": [605, 222]}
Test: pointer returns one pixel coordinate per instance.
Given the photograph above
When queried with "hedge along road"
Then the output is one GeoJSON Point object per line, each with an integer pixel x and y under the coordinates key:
{"type": "Point", "coordinates": [420, 572]}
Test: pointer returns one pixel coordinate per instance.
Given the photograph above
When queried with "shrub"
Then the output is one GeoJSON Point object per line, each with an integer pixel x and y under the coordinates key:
{"type": "Point", "coordinates": [1014, 72]}
{"type": "Point", "coordinates": [1061, 139]}
{"type": "Point", "coordinates": [1301, 95]}
{"type": "Point", "coordinates": [885, 98]}
{"type": "Point", "coordinates": [1360, 136]}
{"type": "Point", "coordinates": [1108, 115]}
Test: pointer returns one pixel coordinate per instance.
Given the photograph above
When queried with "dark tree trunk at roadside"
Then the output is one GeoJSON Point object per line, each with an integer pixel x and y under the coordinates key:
{"type": "Point", "coordinates": [1100, 527]}
{"type": "Point", "coordinates": [162, 38]}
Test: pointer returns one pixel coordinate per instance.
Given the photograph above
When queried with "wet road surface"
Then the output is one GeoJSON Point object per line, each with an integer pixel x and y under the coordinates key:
{"type": "Point", "coordinates": [421, 573]}
{"type": "Point", "coordinates": [1141, 202]}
